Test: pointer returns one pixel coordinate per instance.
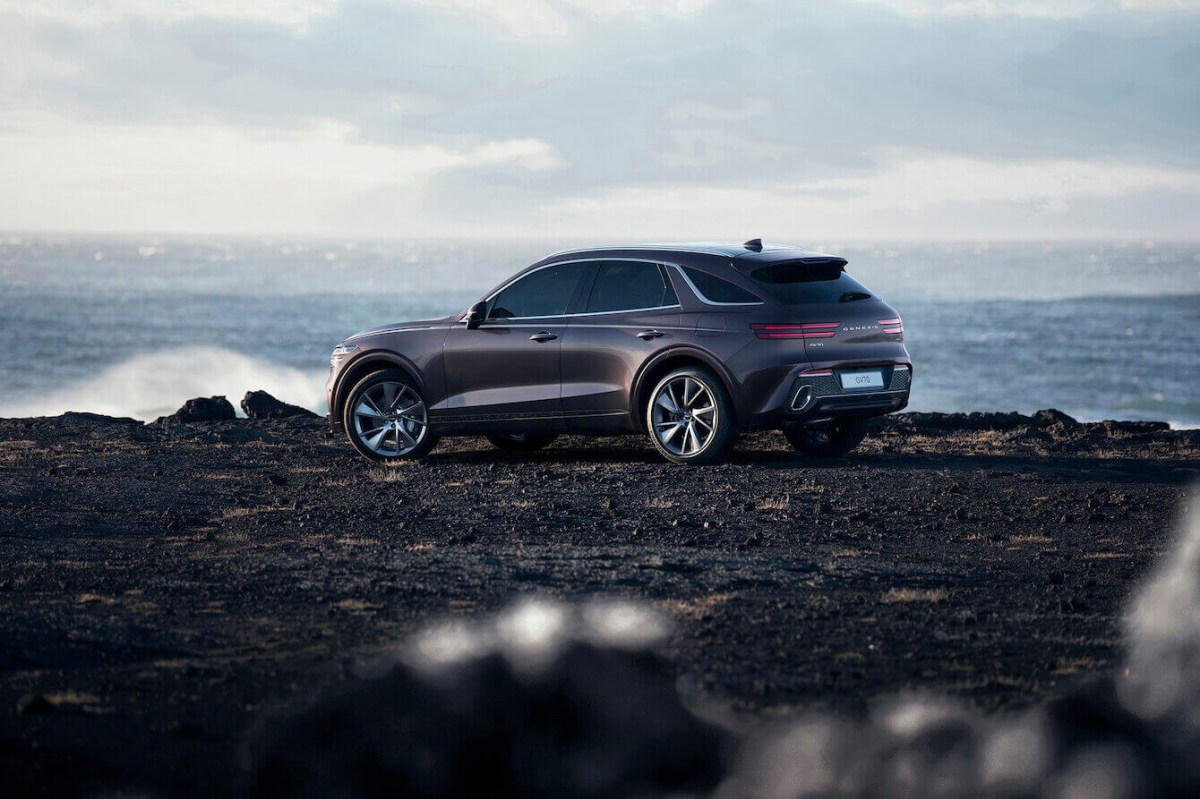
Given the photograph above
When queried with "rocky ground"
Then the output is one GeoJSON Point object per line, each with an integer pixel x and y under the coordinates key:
{"type": "Point", "coordinates": [165, 587]}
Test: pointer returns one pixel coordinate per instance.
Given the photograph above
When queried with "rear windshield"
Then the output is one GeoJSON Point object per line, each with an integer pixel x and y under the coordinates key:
{"type": "Point", "coordinates": [799, 283]}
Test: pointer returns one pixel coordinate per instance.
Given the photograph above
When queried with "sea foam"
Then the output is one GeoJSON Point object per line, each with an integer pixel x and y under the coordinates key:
{"type": "Point", "coordinates": [155, 384]}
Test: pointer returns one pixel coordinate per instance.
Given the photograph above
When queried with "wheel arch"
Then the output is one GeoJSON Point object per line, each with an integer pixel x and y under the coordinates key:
{"type": "Point", "coordinates": [364, 365]}
{"type": "Point", "coordinates": [668, 361]}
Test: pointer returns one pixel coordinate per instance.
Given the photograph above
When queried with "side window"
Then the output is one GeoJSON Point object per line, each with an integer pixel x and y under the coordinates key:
{"type": "Point", "coordinates": [546, 292]}
{"type": "Point", "coordinates": [714, 289]}
{"type": "Point", "coordinates": [629, 285]}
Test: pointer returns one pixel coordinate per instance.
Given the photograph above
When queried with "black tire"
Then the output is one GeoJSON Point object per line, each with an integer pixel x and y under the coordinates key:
{"type": "Point", "coordinates": [829, 441]}
{"type": "Point", "coordinates": [659, 417]}
{"type": "Point", "coordinates": [521, 442]}
{"type": "Point", "coordinates": [397, 428]}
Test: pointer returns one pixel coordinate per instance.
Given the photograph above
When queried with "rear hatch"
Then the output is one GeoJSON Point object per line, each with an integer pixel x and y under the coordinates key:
{"type": "Point", "coordinates": [841, 321]}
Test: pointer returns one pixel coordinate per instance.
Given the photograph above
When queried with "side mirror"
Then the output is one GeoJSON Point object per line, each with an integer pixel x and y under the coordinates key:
{"type": "Point", "coordinates": [476, 315]}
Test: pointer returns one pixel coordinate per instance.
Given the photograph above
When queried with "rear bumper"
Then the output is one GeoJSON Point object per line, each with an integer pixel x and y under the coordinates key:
{"type": "Point", "coordinates": [814, 397]}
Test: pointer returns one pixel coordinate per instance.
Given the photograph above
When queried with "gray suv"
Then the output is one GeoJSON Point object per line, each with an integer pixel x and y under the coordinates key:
{"type": "Point", "coordinates": [689, 343]}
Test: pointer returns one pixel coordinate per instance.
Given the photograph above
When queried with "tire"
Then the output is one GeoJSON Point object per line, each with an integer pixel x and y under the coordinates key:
{"type": "Point", "coordinates": [386, 418]}
{"type": "Point", "coordinates": [521, 442]}
{"type": "Point", "coordinates": [681, 407]}
{"type": "Point", "coordinates": [829, 441]}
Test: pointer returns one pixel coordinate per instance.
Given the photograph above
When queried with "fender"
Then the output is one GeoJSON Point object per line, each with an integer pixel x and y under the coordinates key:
{"type": "Point", "coordinates": [388, 357]}
{"type": "Point", "coordinates": [675, 351]}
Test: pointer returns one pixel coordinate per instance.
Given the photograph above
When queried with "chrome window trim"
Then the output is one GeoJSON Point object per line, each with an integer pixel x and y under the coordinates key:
{"type": "Point", "coordinates": [700, 295]}
{"type": "Point", "coordinates": [496, 293]}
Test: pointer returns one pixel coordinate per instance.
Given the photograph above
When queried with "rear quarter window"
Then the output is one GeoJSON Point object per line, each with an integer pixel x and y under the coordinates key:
{"type": "Point", "coordinates": [801, 283]}
{"type": "Point", "coordinates": [714, 289]}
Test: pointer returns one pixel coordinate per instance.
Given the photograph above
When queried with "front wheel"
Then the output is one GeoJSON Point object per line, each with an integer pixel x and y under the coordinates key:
{"type": "Point", "coordinates": [386, 418]}
{"type": "Point", "coordinates": [828, 441]}
{"type": "Point", "coordinates": [690, 417]}
{"type": "Point", "coordinates": [521, 442]}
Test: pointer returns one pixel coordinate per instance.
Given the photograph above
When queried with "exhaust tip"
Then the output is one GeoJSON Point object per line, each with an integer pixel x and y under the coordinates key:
{"type": "Point", "coordinates": [804, 396]}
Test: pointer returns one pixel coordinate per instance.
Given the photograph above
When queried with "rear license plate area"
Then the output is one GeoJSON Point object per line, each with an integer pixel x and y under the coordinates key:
{"type": "Point", "coordinates": [861, 380]}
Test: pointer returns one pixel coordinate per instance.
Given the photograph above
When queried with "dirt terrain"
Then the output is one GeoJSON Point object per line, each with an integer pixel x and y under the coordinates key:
{"type": "Point", "coordinates": [165, 587]}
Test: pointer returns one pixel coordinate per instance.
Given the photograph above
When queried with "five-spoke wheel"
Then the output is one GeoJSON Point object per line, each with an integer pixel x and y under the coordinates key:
{"type": "Point", "coordinates": [690, 418]}
{"type": "Point", "coordinates": [386, 418]}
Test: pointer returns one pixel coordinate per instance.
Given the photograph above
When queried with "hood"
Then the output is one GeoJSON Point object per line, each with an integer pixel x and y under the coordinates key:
{"type": "Point", "coordinates": [397, 327]}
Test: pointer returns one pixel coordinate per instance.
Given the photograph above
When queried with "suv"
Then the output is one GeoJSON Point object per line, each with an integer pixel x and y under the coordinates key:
{"type": "Point", "coordinates": [690, 343]}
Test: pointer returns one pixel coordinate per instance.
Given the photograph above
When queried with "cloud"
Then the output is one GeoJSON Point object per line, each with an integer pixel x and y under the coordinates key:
{"type": "Point", "coordinates": [214, 177]}
{"type": "Point", "coordinates": [98, 13]}
{"type": "Point", "coordinates": [767, 98]}
{"type": "Point", "coordinates": [899, 199]}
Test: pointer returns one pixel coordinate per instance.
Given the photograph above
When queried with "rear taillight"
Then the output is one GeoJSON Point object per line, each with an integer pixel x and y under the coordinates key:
{"type": "Point", "coordinates": [810, 330]}
{"type": "Point", "coordinates": [892, 325]}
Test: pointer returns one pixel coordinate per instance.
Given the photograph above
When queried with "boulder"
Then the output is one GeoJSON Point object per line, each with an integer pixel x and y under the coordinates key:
{"type": "Point", "coordinates": [203, 409]}
{"type": "Point", "coordinates": [1052, 416]}
{"type": "Point", "coordinates": [261, 405]}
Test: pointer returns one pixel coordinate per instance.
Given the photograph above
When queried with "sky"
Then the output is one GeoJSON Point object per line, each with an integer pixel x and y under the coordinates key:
{"type": "Point", "coordinates": [617, 119]}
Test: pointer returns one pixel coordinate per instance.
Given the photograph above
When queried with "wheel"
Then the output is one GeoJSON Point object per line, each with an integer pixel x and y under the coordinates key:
{"type": "Point", "coordinates": [386, 418]}
{"type": "Point", "coordinates": [690, 417]}
{"type": "Point", "coordinates": [828, 441]}
{"type": "Point", "coordinates": [521, 442]}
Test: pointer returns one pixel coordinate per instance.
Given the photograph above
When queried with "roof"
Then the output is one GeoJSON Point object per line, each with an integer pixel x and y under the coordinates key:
{"type": "Point", "coordinates": [735, 252]}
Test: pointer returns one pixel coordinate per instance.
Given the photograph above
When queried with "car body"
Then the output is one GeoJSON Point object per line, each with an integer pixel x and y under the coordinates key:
{"type": "Point", "coordinates": [579, 341]}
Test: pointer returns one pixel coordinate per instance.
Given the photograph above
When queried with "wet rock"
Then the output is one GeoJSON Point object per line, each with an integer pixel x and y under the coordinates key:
{"type": "Point", "coordinates": [261, 405]}
{"type": "Point", "coordinates": [202, 409]}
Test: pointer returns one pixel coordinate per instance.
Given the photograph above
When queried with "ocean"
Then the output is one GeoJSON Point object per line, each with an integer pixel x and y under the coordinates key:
{"type": "Point", "coordinates": [134, 326]}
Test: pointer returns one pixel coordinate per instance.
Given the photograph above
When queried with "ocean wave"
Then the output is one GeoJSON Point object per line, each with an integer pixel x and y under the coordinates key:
{"type": "Point", "coordinates": [155, 384]}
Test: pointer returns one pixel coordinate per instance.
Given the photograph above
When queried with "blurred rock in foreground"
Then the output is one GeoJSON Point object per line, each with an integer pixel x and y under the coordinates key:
{"type": "Point", "coordinates": [545, 700]}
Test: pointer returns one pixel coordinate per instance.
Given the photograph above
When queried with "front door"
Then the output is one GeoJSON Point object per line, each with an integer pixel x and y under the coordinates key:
{"type": "Point", "coordinates": [509, 368]}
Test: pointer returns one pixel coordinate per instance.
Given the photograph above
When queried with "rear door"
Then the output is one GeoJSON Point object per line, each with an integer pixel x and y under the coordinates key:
{"type": "Point", "coordinates": [510, 367]}
{"type": "Point", "coordinates": [630, 313]}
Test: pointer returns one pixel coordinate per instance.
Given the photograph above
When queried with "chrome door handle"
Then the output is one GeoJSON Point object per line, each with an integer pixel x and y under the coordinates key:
{"type": "Point", "coordinates": [647, 335]}
{"type": "Point", "coordinates": [545, 335]}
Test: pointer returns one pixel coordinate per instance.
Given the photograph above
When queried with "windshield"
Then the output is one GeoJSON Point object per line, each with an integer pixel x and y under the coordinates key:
{"type": "Point", "coordinates": [802, 283]}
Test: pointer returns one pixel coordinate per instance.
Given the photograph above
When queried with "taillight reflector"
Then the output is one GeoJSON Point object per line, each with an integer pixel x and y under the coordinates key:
{"type": "Point", "coordinates": [817, 373]}
{"type": "Point", "coordinates": [809, 330]}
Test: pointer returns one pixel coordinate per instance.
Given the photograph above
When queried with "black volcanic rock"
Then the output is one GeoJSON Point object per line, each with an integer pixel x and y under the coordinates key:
{"type": "Point", "coordinates": [261, 405]}
{"type": "Point", "coordinates": [1049, 416]}
{"type": "Point", "coordinates": [202, 409]}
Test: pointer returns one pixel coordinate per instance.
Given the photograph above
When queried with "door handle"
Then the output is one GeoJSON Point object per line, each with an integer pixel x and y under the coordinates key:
{"type": "Point", "coordinates": [545, 335]}
{"type": "Point", "coordinates": [647, 335]}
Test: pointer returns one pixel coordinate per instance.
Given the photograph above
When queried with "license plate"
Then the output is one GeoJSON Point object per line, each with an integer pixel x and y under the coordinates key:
{"type": "Point", "coordinates": [853, 380]}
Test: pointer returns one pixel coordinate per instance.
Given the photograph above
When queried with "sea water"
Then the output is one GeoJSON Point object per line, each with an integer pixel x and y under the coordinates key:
{"type": "Point", "coordinates": [134, 326]}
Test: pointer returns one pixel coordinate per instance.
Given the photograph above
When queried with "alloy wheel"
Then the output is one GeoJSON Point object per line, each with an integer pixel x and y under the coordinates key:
{"type": "Point", "coordinates": [684, 416]}
{"type": "Point", "coordinates": [390, 419]}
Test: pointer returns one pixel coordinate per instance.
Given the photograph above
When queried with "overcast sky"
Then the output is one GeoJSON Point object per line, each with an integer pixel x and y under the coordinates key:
{"type": "Point", "coordinates": [625, 119]}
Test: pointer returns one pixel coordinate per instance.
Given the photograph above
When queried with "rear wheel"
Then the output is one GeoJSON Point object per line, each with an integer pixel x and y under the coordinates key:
{"type": "Point", "coordinates": [386, 418]}
{"type": "Point", "coordinates": [828, 441]}
{"type": "Point", "coordinates": [521, 442]}
{"type": "Point", "coordinates": [690, 417]}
